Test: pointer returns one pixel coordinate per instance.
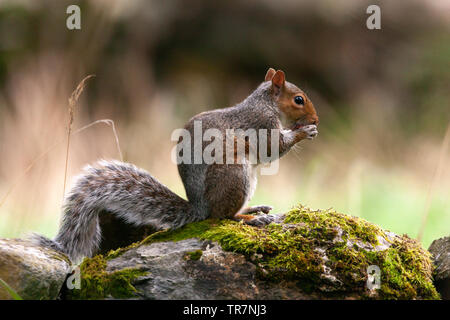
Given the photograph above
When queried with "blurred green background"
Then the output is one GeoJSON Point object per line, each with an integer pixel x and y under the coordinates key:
{"type": "Point", "coordinates": [382, 98]}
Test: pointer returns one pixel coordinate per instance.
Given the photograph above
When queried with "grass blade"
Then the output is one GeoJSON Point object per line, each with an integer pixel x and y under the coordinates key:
{"type": "Point", "coordinates": [10, 290]}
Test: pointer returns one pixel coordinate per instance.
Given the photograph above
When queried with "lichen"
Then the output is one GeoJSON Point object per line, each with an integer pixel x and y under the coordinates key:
{"type": "Point", "coordinates": [302, 247]}
{"type": "Point", "coordinates": [98, 283]}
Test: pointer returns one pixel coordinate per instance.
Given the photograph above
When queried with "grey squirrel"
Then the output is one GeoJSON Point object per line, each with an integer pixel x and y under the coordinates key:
{"type": "Point", "coordinates": [213, 190]}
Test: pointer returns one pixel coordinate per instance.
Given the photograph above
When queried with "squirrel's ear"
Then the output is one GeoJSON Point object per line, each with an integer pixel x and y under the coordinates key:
{"type": "Point", "coordinates": [278, 81]}
{"type": "Point", "coordinates": [269, 74]}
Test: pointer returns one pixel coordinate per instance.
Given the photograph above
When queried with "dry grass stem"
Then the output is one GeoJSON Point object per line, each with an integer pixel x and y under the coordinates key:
{"type": "Point", "coordinates": [108, 122]}
{"type": "Point", "coordinates": [73, 99]}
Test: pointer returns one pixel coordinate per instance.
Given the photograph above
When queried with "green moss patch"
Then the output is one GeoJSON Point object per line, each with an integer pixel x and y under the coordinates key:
{"type": "Point", "coordinates": [407, 271]}
{"type": "Point", "coordinates": [194, 255]}
{"type": "Point", "coordinates": [97, 283]}
{"type": "Point", "coordinates": [323, 225]}
{"type": "Point", "coordinates": [302, 248]}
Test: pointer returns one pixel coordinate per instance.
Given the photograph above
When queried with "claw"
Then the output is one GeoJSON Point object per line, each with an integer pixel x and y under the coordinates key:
{"type": "Point", "coordinates": [311, 131]}
{"type": "Point", "coordinates": [265, 209]}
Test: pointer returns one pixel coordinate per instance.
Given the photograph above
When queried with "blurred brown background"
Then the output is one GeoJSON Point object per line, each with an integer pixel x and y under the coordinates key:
{"type": "Point", "coordinates": [382, 97]}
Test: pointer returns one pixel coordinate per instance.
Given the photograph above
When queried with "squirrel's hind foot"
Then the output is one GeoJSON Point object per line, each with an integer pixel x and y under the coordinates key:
{"type": "Point", "coordinates": [262, 220]}
{"type": "Point", "coordinates": [259, 220]}
{"type": "Point", "coordinates": [256, 209]}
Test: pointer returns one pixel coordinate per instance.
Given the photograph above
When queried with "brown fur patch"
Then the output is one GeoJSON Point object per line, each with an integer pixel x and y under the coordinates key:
{"type": "Point", "coordinates": [245, 217]}
{"type": "Point", "coordinates": [305, 113]}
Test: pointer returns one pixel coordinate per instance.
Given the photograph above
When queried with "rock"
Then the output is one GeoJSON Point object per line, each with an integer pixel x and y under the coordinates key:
{"type": "Point", "coordinates": [196, 269]}
{"type": "Point", "coordinates": [440, 249]}
{"type": "Point", "coordinates": [31, 271]}
{"type": "Point", "coordinates": [307, 255]}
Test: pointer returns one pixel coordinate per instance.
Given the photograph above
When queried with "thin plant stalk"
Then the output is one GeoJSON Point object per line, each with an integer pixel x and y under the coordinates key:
{"type": "Point", "coordinates": [73, 99]}
{"type": "Point", "coordinates": [10, 290]}
{"type": "Point", "coordinates": [108, 122]}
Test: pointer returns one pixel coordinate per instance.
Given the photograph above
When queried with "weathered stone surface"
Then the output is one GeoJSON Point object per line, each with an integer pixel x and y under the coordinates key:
{"type": "Point", "coordinates": [33, 272]}
{"type": "Point", "coordinates": [305, 255]}
{"type": "Point", "coordinates": [440, 249]}
{"type": "Point", "coordinates": [174, 272]}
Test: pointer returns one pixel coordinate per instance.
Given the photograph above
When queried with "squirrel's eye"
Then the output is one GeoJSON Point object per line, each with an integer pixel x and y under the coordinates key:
{"type": "Point", "coordinates": [299, 100]}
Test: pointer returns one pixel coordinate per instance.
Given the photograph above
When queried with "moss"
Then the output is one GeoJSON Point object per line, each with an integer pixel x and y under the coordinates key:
{"type": "Point", "coordinates": [192, 230]}
{"type": "Point", "coordinates": [323, 223]}
{"type": "Point", "coordinates": [290, 252]}
{"type": "Point", "coordinates": [97, 283]}
{"type": "Point", "coordinates": [194, 255]}
{"type": "Point", "coordinates": [407, 271]}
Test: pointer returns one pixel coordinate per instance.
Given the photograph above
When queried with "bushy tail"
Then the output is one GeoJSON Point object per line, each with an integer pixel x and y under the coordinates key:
{"type": "Point", "coordinates": [45, 242]}
{"type": "Point", "coordinates": [120, 189]}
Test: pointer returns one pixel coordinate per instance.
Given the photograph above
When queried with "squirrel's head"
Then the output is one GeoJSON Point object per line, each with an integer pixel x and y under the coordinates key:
{"type": "Point", "coordinates": [293, 103]}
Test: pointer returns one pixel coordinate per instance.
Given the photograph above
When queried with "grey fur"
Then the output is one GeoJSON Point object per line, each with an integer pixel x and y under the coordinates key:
{"type": "Point", "coordinates": [120, 189]}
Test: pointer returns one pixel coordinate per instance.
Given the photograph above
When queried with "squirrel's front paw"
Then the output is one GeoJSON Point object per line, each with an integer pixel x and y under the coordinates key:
{"type": "Point", "coordinates": [310, 131]}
